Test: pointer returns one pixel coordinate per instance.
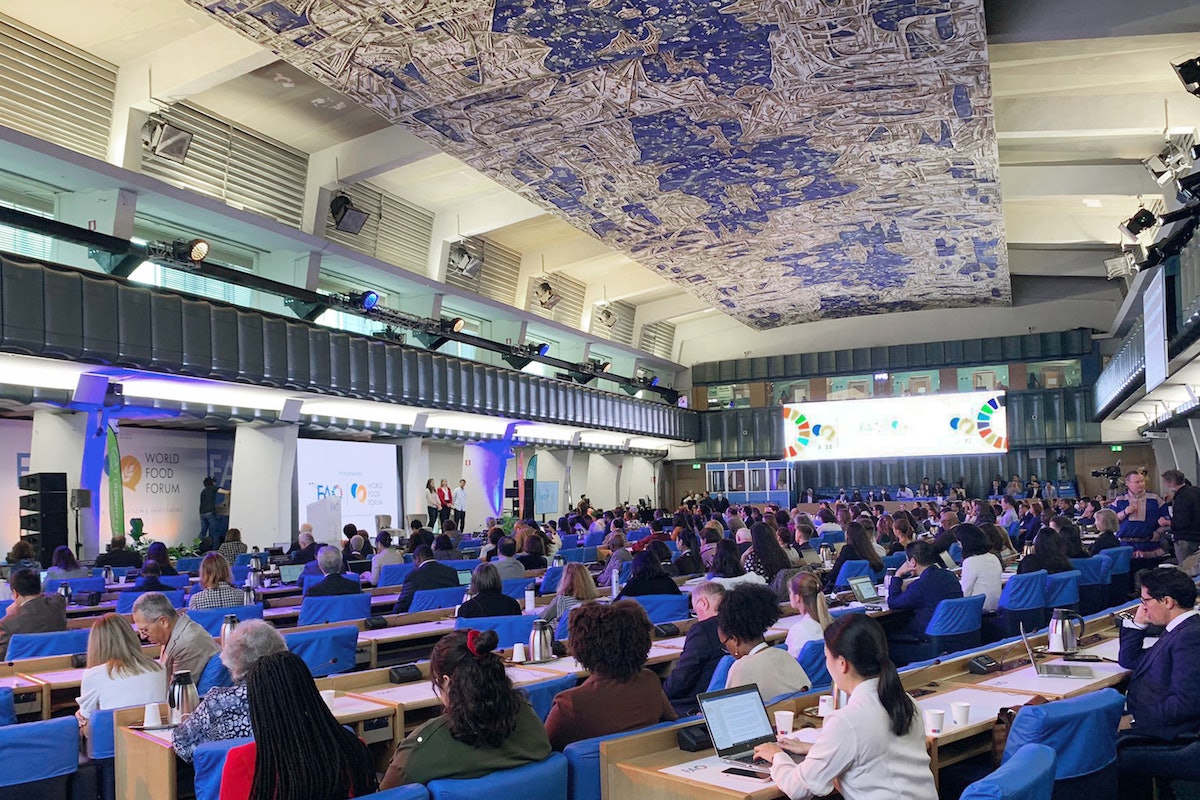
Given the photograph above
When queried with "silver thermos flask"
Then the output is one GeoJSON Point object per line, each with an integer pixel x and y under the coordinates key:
{"type": "Point", "coordinates": [248, 596]}
{"type": "Point", "coordinates": [182, 697]}
{"type": "Point", "coordinates": [227, 627]}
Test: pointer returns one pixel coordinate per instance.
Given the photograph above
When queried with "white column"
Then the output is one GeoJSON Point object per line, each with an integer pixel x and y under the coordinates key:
{"type": "Point", "coordinates": [264, 465]}
{"type": "Point", "coordinates": [106, 211]}
{"type": "Point", "coordinates": [415, 472]}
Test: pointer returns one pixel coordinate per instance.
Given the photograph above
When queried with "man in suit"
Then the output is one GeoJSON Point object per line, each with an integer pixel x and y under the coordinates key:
{"type": "Point", "coordinates": [118, 556]}
{"type": "Point", "coordinates": [307, 551]}
{"type": "Point", "coordinates": [31, 611]}
{"type": "Point", "coordinates": [150, 580]}
{"type": "Point", "coordinates": [932, 584]}
{"type": "Point", "coordinates": [702, 649]}
{"type": "Point", "coordinates": [334, 582]}
{"type": "Point", "coordinates": [428, 574]}
{"type": "Point", "coordinates": [1164, 688]}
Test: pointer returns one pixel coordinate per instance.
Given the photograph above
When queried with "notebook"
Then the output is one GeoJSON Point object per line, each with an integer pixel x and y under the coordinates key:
{"type": "Point", "coordinates": [1054, 670]}
{"type": "Point", "coordinates": [737, 723]}
{"type": "Point", "coordinates": [290, 573]}
{"type": "Point", "coordinates": [864, 590]}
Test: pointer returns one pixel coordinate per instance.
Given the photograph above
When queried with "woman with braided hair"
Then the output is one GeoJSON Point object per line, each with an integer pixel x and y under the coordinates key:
{"type": "Point", "coordinates": [299, 749]}
{"type": "Point", "coordinates": [486, 724]}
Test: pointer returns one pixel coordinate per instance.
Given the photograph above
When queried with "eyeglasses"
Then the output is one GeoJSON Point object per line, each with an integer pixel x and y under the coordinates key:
{"type": "Point", "coordinates": [1148, 600]}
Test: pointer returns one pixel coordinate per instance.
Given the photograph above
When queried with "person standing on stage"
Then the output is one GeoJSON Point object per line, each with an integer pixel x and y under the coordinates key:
{"type": "Point", "coordinates": [445, 501]}
{"type": "Point", "coordinates": [459, 502]}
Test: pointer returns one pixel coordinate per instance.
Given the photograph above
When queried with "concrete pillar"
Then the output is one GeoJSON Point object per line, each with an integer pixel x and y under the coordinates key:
{"type": "Point", "coordinates": [106, 211]}
{"type": "Point", "coordinates": [1164, 457]}
{"type": "Point", "coordinates": [1194, 430]}
{"type": "Point", "coordinates": [264, 465]}
{"type": "Point", "coordinates": [1183, 448]}
{"type": "Point", "coordinates": [69, 443]}
{"type": "Point", "coordinates": [415, 458]}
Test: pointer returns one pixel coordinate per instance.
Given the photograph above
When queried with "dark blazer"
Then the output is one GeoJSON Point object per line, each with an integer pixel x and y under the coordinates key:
{"type": "Point", "coordinates": [923, 594]}
{"type": "Point", "coordinates": [119, 558]}
{"type": "Point", "coordinates": [149, 585]}
{"type": "Point", "coordinates": [303, 555]}
{"type": "Point", "coordinates": [660, 584]}
{"type": "Point", "coordinates": [332, 585]}
{"type": "Point", "coordinates": [45, 613]}
{"type": "Point", "coordinates": [1185, 514]}
{"type": "Point", "coordinates": [428, 575]}
{"type": "Point", "coordinates": [692, 673]}
{"type": "Point", "coordinates": [1104, 541]}
{"type": "Point", "coordinates": [1164, 689]}
{"type": "Point", "coordinates": [490, 604]}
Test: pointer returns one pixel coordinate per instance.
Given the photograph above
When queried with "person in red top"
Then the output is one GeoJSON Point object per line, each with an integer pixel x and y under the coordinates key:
{"type": "Point", "coordinates": [299, 749]}
{"type": "Point", "coordinates": [446, 498]}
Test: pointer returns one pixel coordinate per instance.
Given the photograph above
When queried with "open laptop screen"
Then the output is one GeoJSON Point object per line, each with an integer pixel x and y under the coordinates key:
{"type": "Point", "coordinates": [736, 719]}
{"type": "Point", "coordinates": [290, 573]}
{"type": "Point", "coordinates": [864, 589]}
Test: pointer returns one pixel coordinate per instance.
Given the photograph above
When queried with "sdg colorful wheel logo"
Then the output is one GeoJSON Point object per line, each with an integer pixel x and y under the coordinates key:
{"type": "Point", "coordinates": [990, 423]}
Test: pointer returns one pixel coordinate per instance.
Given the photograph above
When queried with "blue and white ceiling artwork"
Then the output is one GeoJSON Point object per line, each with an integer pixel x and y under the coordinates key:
{"type": "Point", "coordinates": [786, 160]}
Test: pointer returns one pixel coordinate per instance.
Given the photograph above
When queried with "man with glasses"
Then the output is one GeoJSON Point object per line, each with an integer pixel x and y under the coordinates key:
{"type": "Point", "coordinates": [185, 644]}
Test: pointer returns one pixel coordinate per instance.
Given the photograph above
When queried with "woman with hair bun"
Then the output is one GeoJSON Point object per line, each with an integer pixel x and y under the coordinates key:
{"type": "Point", "coordinates": [486, 724]}
{"type": "Point", "coordinates": [874, 746]}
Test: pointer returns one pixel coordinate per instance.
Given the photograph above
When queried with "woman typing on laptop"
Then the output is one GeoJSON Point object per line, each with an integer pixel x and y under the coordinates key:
{"type": "Point", "coordinates": [872, 748]}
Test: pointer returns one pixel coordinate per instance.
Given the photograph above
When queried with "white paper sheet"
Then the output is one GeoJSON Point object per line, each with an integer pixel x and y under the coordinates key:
{"type": "Point", "coordinates": [1109, 648]}
{"type": "Point", "coordinates": [1026, 680]}
{"type": "Point", "coordinates": [711, 771]}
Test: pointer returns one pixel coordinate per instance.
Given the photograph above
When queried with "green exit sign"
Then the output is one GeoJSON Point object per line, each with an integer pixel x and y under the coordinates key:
{"type": "Point", "coordinates": [1116, 448]}
{"type": "Point", "coordinates": [695, 466]}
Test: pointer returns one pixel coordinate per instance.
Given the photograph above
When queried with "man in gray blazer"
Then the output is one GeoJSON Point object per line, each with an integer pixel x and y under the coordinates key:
{"type": "Point", "coordinates": [186, 645]}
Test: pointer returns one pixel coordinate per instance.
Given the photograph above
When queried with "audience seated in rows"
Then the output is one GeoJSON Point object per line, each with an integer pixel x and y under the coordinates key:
{"type": "Point", "coordinates": [385, 555]}
{"type": "Point", "coordinates": [702, 650]}
{"type": "Point", "coordinates": [506, 562]}
{"type": "Point", "coordinates": [575, 587]}
{"type": "Point", "coordinates": [1049, 553]}
{"type": "Point", "coordinates": [118, 673]}
{"type": "Point", "coordinates": [646, 577]}
{"type": "Point", "coordinates": [233, 546]}
{"type": "Point", "coordinates": [306, 549]}
{"type": "Point", "coordinates": [617, 558]}
{"type": "Point", "coordinates": [486, 724]}
{"type": "Point", "coordinates": [427, 574]}
{"type": "Point", "coordinates": [746, 612]}
{"type": "Point", "coordinates": [534, 555]}
{"type": "Point", "coordinates": [216, 585]}
{"type": "Point", "coordinates": [858, 547]}
{"type": "Point", "coordinates": [30, 610]}
{"type": "Point", "coordinates": [185, 644]}
{"type": "Point", "coordinates": [931, 585]}
{"type": "Point", "coordinates": [63, 565]}
{"type": "Point", "coordinates": [804, 593]}
{"type": "Point", "coordinates": [224, 713]}
{"type": "Point", "coordinates": [334, 582]}
{"type": "Point", "coordinates": [689, 561]}
{"type": "Point", "coordinates": [487, 595]}
{"type": "Point", "coordinates": [150, 579]}
{"type": "Point", "coordinates": [1108, 525]}
{"type": "Point", "coordinates": [118, 556]}
{"type": "Point", "coordinates": [727, 568]}
{"type": "Point", "coordinates": [444, 549]}
{"type": "Point", "coordinates": [982, 569]}
{"type": "Point", "coordinates": [765, 555]}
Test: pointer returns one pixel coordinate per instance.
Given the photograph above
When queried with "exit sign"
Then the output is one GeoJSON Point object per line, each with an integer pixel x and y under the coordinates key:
{"type": "Point", "coordinates": [1116, 448]}
{"type": "Point", "coordinates": [695, 466]}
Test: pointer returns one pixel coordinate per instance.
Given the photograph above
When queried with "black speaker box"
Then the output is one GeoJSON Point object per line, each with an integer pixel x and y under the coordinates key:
{"type": "Point", "coordinates": [43, 482]}
{"type": "Point", "coordinates": [46, 502]}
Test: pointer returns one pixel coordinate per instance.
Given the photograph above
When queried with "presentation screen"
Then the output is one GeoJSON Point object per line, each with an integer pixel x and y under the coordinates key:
{"type": "Point", "coordinates": [364, 475]}
{"type": "Point", "coordinates": [896, 427]}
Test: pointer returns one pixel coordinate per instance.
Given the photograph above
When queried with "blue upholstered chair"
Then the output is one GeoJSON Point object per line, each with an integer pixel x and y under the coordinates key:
{"type": "Point", "coordinates": [956, 552]}
{"type": "Point", "coordinates": [541, 694]}
{"type": "Point", "coordinates": [37, 759]}
{"type": "Point", "coordinates": [190, 565]}
{"type": "Point", "coordinates": [1083, 733]}
{"type": "Point", "coordinates": [550, 580]}
{"type": "Point", "coordinates": [177, 581]}
{"type": "Point", "coordinates": [956, 625]}
{"type": "Point", "coordinates": [326, 651]}
{"type": "Point", "coordinates": [335, 608]}
{"type": "Point", "coordinates": [125, 600]}
{"type": "Point", "coordinates": [41, 645]}
{"type": "Point", "coordinates": [515, 588]}
{"type": "Point", "coordinates": [102, 752]}
{"type": "Point", "coordinates": [1023, 600]}
{"type": "Point", "coordinates": [594, 539]}
{"type": "Point", "coordinates": [393, 574]}
{"type": "Point", "coordinates": [721, 674]}
{"type": "Point", "coordinates": [1062, 590]}
{"type": "Point", "coordinates": [1094, 577]}
{"type": "Point", "coordinates": [306, 582]}
{"type": "Point", "coordinates": [511, 629]}
{"type": "Point", "coordinates": [409, 791]}
{"type": "Point", "coordinates": [211, 619]}
{"type": "Point", "coordinates": [830, 538]}
{"type": "Point", "coordinates": [432, 599]}
{"type": "Point", "coordinates": [583, 762]}
{"type": "Point", "coordinates": [1028, 775]}
{"type": "Point", "coordinates": [8, 709]}
{"type": "Point", "coordinates": [561, 629]}
{"type": "Point", "coordinates": [569, 540]}
{"type": "Point", "coordinates": [209, 761]}
{"type": "Point", "coordinates": [894, 561]}
{"type": "Point", "coordinates": [78, 585]}
{"type": "Point", "coordinates": [854, 569]}
{"type": "Point", "coordinates": [545, 780]}
{"type": "Point", "coordinates": [1121, 578]}
{"type": "Point", "coordinates": [242, 560]}
{"type": "Point", "coordinates": [213, 675]}
{"type": "Point", "coordinates": [664, 607]}
{"type": "Point", "coordinates": [812, 658]}
{"type": "Point", "coordinates": [240, 573]}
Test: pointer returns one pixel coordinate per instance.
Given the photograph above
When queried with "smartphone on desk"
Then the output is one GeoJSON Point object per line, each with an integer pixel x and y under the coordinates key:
{"type": "Point", "coordinates": [746, 773]}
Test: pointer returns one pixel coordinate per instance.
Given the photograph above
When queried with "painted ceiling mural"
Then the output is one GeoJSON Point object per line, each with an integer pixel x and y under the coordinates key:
{"type": "Point", "coordinates": [785, 160]}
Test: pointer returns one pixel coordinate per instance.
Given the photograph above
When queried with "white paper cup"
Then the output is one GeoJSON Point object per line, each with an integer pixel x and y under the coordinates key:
{"type": "Point", "coordinates": [935, 720]}
{"type": "Point", "coordinates": [152, 717]}
{"type": "Point", "coordinates": [783, 722]}
{"type": "Point", "coordinates": [328, 696]}
{"type": "Point", "coordinates": [824, 705]}
{"type": "Point", "coordinates": [530, 600]}
{"type": "Point", "coordinates": [518, 653]}
{"type": "Point", "coordinates": [960, 713]}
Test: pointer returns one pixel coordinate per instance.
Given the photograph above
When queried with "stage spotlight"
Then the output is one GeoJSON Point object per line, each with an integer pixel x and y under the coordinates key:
{"type": "Point", "coordinates": [653, 381]}
{"type": "Point", "coordinates": [346, 217]}
{"type": "Point", "coordinates": [189, 251]}
{"type": "Point", "coordinates": [1188, 70]}
{"type": "Point", "coordinates": [1189, 185]}
{"type": "Point", "coordinates": [607, 317]}
{"type": "Point", "coordinates": [365, 300]}
{"type": "Point", "coordinates": [463, 262]}
{"type": "Point", "coordinates": [1162, 250]}
{"type": "Point", "coordinates": [1179, 214]}
{"type": "Point", "coordinates": [452, 325]}
{"type": "Point", "coordinates": [545, 296]}
{"type": "Point", "coordinates": [165, 140]}
{"type": "Point", "coordinates": [542, 349]}
{"type": "Point", "coordinates": [1143, 220]}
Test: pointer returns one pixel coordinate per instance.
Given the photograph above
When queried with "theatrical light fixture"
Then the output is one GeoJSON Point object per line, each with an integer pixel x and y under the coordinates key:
{"type": "Point", "coordinates": [365, 300]}
{"type": "Point", "coordinates": [433, 337]}
{"type": "Point", "coordinates": [1188, 70]}
{"type": "Point", "coordinates": [1161, 250]}
{"type": "Point", "coordinates": [1143, 220]}
{"type": "Point", "coordinates": [346, 217]}
{"type": "Point", "coordinates": [165, 140]}
{"type": "Point", "coordinates": [1189, 186]}
{"type": "Point", "coordinates": [607, 317]}
{"type": "Point", "coordinates": [463, 262]}
{"type": "Point", "coordinates": [1179, 214]}
{"type": "Point", "coordinates": [191, 251]}
{"type": "Point", "coordinates": [1121, 266]}
{"type": "Point", "coordinates": [545, 295]}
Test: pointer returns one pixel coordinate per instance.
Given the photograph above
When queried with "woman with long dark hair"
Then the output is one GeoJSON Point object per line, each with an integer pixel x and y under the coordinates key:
{"type": "Point", "coordinates": [485, 725]}
{"type": "Point", "coordinates": [727, 568]}
{"type": "Point", "coordinates": [646, 576]}
{"type": "Point", "coordinates": [157, 551]}
{"type": "Point", "coordinates": [299, 749]}
{"type": "Point", "coordinates": [689, 561]}
{"type": "Point", "coordinates": [874, 746]}
{"type": "Point", "coordinates": [765, 556]}
{"type": "Point", "coordinates": [433, 503]}
{"type": "Point", "coordinates": [63, 565]}
{"type": "Point", "coordinates": [859, 547]}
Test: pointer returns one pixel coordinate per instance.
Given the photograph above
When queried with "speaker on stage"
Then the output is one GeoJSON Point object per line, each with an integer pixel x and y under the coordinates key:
{"type": "Point", "coordinates": [44, 512]}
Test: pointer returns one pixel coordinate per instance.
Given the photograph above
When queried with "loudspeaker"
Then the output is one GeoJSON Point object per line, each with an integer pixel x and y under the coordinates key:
{"type": "Point", "coordinates": [45, 502]}
{"type": "Point", "coordinates": [81, 498]}
{"type": "Point", "coordinates": [43, 482]}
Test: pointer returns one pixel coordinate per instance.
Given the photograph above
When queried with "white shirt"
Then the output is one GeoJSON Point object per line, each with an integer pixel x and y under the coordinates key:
{"type": "Point", "coordinates": [1007, 518]}
{"type": "Point", "coordinates": [1175, 623]}
{"type": "Point", "coordinates": [856, 747]}
{"type": "Point", "coordinates": [432, 500]}
{"type": "Point", "coordinates": [99, 691]}
{"type": "Point", "coordinates": [803, 632]}
{"type": "Point", "coordinates": [459, 499]}
{"type": "Point", "coordinates": [983, 574]}
{"type": "Point", "coordinates": [749, 577]}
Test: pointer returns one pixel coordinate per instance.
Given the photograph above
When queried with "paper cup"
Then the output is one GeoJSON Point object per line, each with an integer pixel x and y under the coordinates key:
{"type": "Point", "coordinates": [328, 696]}
{"type": "Point", "coordinates": [783, 722]}
{"type": "Point", "coordinates": [960, 713]}
{"type": "Point", "coordinates": [934, 721]}
{"type": "Point", "coordinates": [530, 600]}
{"type": "Point", "coordinates": [824, 705]}
{"type": "Point", "coordinates": [518, 655]}
{"type": "Point", "coordinates": [152, 717]}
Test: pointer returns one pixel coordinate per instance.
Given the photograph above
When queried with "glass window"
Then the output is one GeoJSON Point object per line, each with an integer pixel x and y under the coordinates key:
{"type": "Point", "coordinates": [25, 243]}
{"type": "Point", "coordinates": [730, 395]}
{"type": "Point", "coordinates": [1054, 374]}
{"type": "Point", "coordinates": [179, 280]}
{"type": "Point", "coordinates": [851, 387]}
{"type": "Point", "coordinates": [978, 379]}
{"type": "Point", "coordinates": [913, 384]}
{"type": "Point", "coordinates": [349, 322]}
{"type": "Point", "coordinates": [789, 392]}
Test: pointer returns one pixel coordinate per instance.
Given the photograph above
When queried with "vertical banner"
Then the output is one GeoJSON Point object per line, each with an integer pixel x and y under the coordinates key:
{"type": "Point", "coordinates": [116, 484]}
{"type": "Point", "coordinates": [520, 483]}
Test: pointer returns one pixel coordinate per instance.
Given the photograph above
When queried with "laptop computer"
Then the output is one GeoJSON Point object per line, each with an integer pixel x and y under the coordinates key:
{"type": "Point", "coordinates": [464, 577]}
{"type": "Point", "coordinates": [737, 723]}
{"type": "Point", "coordinates": [948, 560]}
{"type": "Point", "coordinates": [1054, 670]}
{"type": "Point", "coordinates": [810, 556]}
{"type": "Point", "coordinates": [358, 567]}
{"type": "Point", "coordinates": [864, 590]}
{"type": "Point", "coordinates": [290, 573]}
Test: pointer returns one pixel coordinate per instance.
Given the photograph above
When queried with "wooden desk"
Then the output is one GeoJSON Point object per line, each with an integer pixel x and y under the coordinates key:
{"type": "Point", "coordinates": [28, 695]}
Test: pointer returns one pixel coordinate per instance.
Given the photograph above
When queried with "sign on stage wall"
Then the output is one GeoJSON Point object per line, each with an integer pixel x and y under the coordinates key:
{"type": "Point", "coordinates": [363, 474]}
{"type": "Point", "coordinates": [967, 423]}
{"type": "Point", "coordinates": [162, 473]}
